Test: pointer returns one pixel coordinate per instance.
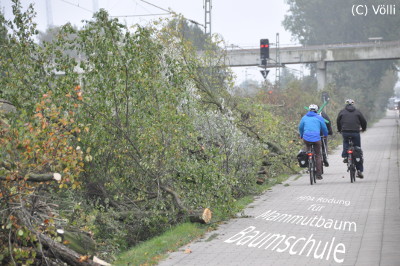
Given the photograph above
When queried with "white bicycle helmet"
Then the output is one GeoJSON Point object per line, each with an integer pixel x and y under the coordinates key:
{"type": "Point", "coordinates": [349, 101]}
{"type": "Point", "coordinates": [313, 107]}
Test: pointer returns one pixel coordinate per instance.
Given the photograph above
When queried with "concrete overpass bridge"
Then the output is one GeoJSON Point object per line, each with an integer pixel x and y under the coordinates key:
{"type": "Point", "coordinates": [320, 55]}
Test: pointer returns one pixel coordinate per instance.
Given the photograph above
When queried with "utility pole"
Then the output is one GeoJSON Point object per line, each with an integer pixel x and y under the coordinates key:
{"type": "Point", "coordinates": [207, 25]}
{"type": "Point", "coordinates": [49, 12]}
{"type": "Point", "coordinates": [278, 62]}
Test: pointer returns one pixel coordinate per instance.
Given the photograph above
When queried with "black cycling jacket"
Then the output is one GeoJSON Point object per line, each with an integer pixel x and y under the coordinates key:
{"type": "Point", "coordinates": [329, 124]}
{"type": "Point", "coordinates": [351, 120]}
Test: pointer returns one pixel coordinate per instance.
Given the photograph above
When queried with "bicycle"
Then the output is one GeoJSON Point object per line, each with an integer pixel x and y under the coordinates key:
{"type": "Point", "coordinates": [312, 166]}
{"type": "Point", "coordinates": [351, 165]}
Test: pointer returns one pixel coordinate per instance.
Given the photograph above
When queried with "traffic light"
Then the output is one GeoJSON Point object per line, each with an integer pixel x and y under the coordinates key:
{"type": "Point", "coordinates": [264, 51]}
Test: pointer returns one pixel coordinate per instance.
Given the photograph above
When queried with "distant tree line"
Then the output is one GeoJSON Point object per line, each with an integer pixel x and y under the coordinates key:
{"type": "Point", "coordinates": [370, 84]}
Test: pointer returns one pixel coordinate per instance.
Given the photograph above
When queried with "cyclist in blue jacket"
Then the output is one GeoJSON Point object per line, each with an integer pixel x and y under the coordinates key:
{"type": "Point", "coordinates": [310, 128]}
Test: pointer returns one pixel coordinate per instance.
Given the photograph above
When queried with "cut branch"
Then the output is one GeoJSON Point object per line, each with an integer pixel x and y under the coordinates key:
{"type": "Point", "coordinates": [38, 177]}
{"type": "Point", "coordinates": [176, 198]}
{"type": "Point", "coordinates": [250, 129]}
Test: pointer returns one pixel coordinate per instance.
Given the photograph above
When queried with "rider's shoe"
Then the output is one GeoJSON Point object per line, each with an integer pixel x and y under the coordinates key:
{"type": "Point", "coordinates": [360, 174]}
{"type": "Point", "coordinates": [319, 177]}
{"type": "Point", "coordinates": [326, 164]}
{"type": "Point", "coordinates": [345, 160]}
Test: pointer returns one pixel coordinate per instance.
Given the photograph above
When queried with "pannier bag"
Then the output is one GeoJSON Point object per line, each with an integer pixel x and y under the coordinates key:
{"type": "Point", "coordinates": [302, 158]}
{"type": "Point", "coordinates": [358, 154]}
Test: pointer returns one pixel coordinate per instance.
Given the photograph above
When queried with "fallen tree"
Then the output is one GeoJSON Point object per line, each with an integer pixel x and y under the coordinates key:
{"type": "Point", "coordinates": [50, 250]}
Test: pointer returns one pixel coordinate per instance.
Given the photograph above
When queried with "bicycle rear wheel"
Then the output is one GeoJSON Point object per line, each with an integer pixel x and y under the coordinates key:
{"type": "Point", "coordinates": [352, 169]}
{"type": "Point", "coordinates": [314, 170]}
{"type": "Point", "coordinates": [352, 173]}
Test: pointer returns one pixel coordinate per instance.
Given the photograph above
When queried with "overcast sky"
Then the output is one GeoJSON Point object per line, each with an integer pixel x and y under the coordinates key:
{"type": "Point", "coordinates": [240, 23]}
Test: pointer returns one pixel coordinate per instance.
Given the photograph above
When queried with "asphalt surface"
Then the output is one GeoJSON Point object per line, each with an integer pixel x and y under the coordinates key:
{"type": "Point", "coordinates": [334, 222]}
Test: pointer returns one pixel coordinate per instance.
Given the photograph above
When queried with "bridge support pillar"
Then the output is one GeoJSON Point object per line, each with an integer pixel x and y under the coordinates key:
{"type": "Point", "coordinates": [321, 74]}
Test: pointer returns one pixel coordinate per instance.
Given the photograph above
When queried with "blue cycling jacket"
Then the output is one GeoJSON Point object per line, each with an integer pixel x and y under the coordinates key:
{"type": "Point", "coordinates": [311, 126]}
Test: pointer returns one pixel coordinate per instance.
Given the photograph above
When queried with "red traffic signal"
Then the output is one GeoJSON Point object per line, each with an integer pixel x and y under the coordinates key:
{"type": "Point", "coordinates": [264, 51]}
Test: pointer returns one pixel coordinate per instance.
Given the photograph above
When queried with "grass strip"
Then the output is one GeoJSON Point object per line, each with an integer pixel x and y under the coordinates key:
{"type": "Point", "coordinates": [156, 249]}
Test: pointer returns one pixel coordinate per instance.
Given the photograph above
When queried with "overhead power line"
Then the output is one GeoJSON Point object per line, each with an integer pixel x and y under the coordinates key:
{"type": "Point", "coordinates": [157, 6]}
{"type": "Point", "coordinates": [77, 5]}
{"type": "Point", "coordinates": [173, 12]}
{"type": "Point", "coordinates": [125, 16]}
{"type": "Point", "coordinates": [145, 15]}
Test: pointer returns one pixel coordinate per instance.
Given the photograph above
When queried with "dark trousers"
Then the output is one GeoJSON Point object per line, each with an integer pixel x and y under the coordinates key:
{"type": "Point", "coordinates": [356, 142]}
{"type": "Point", "coordinates": [324, 148]}
{"type": "Point", "coordinates": [318, 155]}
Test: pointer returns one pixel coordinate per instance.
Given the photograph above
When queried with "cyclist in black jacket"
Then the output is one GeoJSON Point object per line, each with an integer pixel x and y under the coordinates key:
{"type": "Point", "coordinates": [349, 122]}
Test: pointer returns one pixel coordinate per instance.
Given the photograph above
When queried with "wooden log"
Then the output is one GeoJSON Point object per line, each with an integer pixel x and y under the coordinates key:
{"type": "Point", "coordinates": [38, 177]}
{"type": "Point", "coordinates": [68, 255]}
{"type": "Point", "coordinates": [55, 248]}
{"type": "Point", "coordinates": [79, 242]}
{"type": "Point", "coordinates": [203, 216]}
{"type": "Point", "coordinates": [100, 262]}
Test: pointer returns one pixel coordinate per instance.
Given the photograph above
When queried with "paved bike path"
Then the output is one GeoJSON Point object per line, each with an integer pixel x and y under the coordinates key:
{"type": "Point", "coordinates": [333, 222]}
